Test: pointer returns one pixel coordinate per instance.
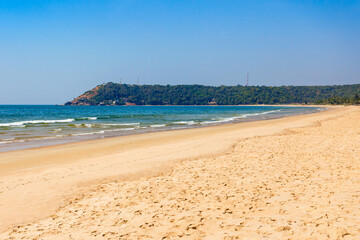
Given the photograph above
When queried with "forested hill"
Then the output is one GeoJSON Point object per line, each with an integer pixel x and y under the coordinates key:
{"type": "Point", "coordinates": [121, 94]}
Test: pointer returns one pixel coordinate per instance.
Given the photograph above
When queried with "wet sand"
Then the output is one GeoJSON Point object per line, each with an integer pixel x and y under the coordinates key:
{"type": "Point", "coordinates": [291, 178]}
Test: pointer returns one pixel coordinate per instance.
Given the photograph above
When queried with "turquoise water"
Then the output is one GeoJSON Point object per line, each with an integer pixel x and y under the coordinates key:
{"type": "Point", "coordinates": [31, 126]}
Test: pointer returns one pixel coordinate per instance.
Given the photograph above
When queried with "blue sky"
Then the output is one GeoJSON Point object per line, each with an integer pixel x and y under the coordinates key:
{"type": "Point", "coordinates": [52, 51]}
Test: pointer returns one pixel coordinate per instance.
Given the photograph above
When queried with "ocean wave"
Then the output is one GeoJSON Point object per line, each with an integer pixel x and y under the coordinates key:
{"type": "Point", "coordinates": [218, 121]}
{"type": "Point", "coordinates": [59, 136]}
{"type": "Point", "coordinates": [185, 123]}
{"type": "Point", "coordinates": [158, 125]}
{"type": "Point", "coordinates": [103, 125]}
{"type": "Point", "coordinates": [120, 124]}
{"type": "Point", "coordinates": [260, 113]}
{"type": "Point", "coordinates": [22, 123]}
{"type": "Point", "coordinates": [89, 133]}
{"type": "Point", "coordinates": [50, 137]}
{"type": "Point", "coordinates": [86, 125]}
{"type": "Point", "coordinates": [121, 129]}
{"type": "Point", "coordinates": [13, 141]}
{"type": "Point", "coordinates": [8, 139]}
{"type": "Point", "coordinates": [223, 120]}
{"type": "Point", "coordinates": [87, 118]}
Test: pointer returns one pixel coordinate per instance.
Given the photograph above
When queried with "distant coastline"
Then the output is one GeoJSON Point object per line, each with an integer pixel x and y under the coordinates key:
{"type": "Point", "coordinates": [113, 94]}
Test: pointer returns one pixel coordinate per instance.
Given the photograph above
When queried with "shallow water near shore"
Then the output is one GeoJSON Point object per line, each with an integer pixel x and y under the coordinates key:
{"type": "Point", "coordinates": [28, 126]}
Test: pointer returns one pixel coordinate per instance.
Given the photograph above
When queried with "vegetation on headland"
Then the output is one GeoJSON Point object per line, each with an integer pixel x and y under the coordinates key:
{"type": "Point", "coordinates": [126, 94]}
{"type": "Point", "coordinates": [341, 100]}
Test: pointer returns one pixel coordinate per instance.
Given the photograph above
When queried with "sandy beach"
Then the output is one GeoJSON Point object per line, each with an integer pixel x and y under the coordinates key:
{"type": "Point", "coordinates": [296, 177]}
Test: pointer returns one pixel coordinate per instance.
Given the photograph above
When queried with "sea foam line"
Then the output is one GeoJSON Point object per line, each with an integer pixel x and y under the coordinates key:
{"type": "Point", "coordinates": [185, 123]}
{"type": "Point", "coordinates": [158, 125]}
{"type": "Point", "coordinates": [120, 124]}
{"type": "Point", "coordinates": [21, 123]}
{"type": "Point", "coordinates": [88, 118]}
{"type": "Point", "coordinates": [89, 133]}
{"type": "Point", "coordinates": [261, 113]}
{"type": "Point", "coordinates": [238, 117]}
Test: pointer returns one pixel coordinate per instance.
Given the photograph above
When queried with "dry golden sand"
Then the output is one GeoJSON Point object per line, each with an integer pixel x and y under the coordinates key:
{"type": "Point", "coordinates": [300, 183]}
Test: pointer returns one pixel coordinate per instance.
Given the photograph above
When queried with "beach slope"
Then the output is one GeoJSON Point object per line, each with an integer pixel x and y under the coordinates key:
{"type": "Point", "coordinates": [291, 178]}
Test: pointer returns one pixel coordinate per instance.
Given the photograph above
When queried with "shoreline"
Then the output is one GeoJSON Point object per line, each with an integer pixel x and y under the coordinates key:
{"type": "Point", "coordinates": [63, 171]}
{"type": "Point", "coordinates": [98, 133]}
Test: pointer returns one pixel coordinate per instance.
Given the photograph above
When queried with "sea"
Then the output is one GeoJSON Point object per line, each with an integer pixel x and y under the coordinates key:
{"type": "Point", "coordinates": [29, 126]}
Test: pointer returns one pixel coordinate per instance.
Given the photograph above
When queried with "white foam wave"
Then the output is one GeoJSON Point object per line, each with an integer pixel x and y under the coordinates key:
{"type": "Point", "coordinates": [158, 125]}
{"type": "Point", "coordinates": [90, 133]}
{"type": "Point", "coordinates": [218, 121]}
{"type": "Point", "coordinates": [89, 118]}
{"type": "Point", "coordinates": [260, 113]}
{"type": "Point", "coordinates": [222, 120]}
{"type": "Point", "coordinates": [88, 125]}
{"type": "Point", "coordinates": [22, 123]}
{"type": "Point", "coordinates": [8, 139]}
{"type": "Point", "coordinates": [120, 124]}
{"type": "Point", "coordinates": [13, 141]}
{"type": "Point", "coordinates": [185, 123]}
{"type": "Point", "coordinates": [121, 129]}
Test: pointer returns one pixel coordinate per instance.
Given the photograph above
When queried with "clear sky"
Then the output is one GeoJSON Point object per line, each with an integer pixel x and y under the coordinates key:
{"type": "Point", "coordinates": [52, 51]}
